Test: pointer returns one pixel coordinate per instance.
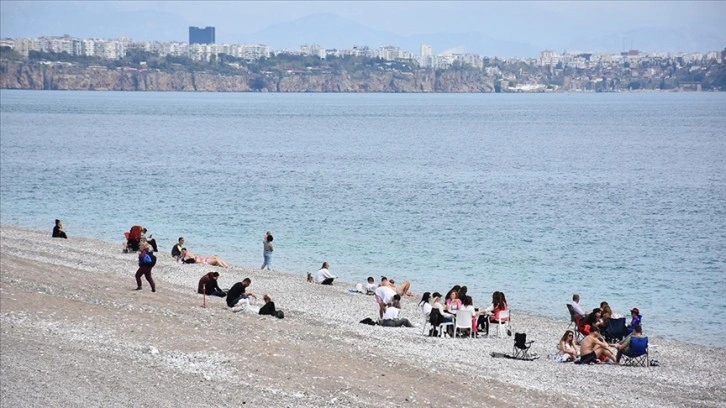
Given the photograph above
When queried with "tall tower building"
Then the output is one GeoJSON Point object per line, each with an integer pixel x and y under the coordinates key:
{"type": "Point", "coordinates": [201, 35]}
{"type": "Point", "coordinates": [425, 60]}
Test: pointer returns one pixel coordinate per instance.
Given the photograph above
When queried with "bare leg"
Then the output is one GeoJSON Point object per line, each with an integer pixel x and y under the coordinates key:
{"type": "Point", "coordinates": [402, 289]}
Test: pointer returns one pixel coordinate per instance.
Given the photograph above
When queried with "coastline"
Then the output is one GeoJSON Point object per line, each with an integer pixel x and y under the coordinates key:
{"type": "Point", "coordinates": [73, 326]}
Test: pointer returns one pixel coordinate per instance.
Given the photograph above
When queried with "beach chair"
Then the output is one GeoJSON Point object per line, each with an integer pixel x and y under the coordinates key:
{"type": "Point", "coordinates": [437, 321]}
{"type": "Point", "coordinates": [133, 239]}
{"type": "Point", "coordinates": [520, 350]}
{"type": "Point", "coordinates": [574, 321]}
{"type": "Point", "coordinates": [637, 355]}
{"type": "Point", "coordinates": [502, 323]}
{"type": "Point", "coordinates": [463, 321]}
{"type": "Point", "coordinates": [615, 330]}
{"type": "Point", "coordinates": [426, 322]}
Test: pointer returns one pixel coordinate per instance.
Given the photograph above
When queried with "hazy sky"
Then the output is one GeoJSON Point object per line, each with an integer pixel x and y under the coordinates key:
{"type": "Point", "coordinates": [544, 24]}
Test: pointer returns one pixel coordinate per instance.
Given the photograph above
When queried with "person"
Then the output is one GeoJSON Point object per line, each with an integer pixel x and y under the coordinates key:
{"type": "Point", "coordinates": [576, 306]}
{"type": "Point", "coordinates": [189, 258]}
{"type": "Point", "coordinates": [208, 285]}
{"type": "Point", "coordinates": [133, 239]}
{"type": "Point", "coordinates": [371, 286]}
{"type": "Point", "coordinates": [635, 319]}
{"type": "Point", "coordinates": [324, 275]}
{"type": "Point", "coordinates": [238, 292]}
{"type": "Point", "coordinates": [499, 304]}
{"type": "Point", "coordinates": [453, 303]}
{"type": "Point", "coordinates": [593, 347]}
{"type": "Point", "coordinates": [177, 249]}
{"type": "Point", "coordinates": [624, 346]}
{"type": "Point", "coordinates": [440, 311]}
{"type": "Point", "coordinates": [425, 304]}
{"type": "Point", "coordinates": [146, 263]}
{"type": "Point", "coordinates": [448, 294]}
{"type": "Point", "coordinates": [269, 307]}
{"type": "Point", "coordinates": [267, 249]}
{"type": "Point", "coordinates": [58, 231]}
{"type": "Point", "coordinates": [468, 304]}
{"type": "Point", "coordinates": [390, 317]}
{"type": "Point", "coordinates": [384, 295]}
{"type": "Point", "coordinates": [567, 349]}
{"type": "Point", "coordinates": [607, 313]}
{"type": "Point", "coordinates": [461, 294]}
{"type": "Point", "coordinates": [150, 240]}
{"type": "Point", "coordinates": [594, 319]}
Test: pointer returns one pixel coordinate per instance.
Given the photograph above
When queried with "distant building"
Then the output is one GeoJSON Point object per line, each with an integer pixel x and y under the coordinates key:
{"type": "Point", "coordinates": [201, 35]}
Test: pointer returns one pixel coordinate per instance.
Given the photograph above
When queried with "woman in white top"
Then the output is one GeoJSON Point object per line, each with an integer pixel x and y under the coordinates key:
{"type": "Point", "coordinates": [567, 350]}
{"type": "Point", "coordinates": [425, 304]}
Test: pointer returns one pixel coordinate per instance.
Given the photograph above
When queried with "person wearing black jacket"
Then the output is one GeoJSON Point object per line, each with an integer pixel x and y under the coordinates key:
{"type": "Point", "coordinates": [176, 250]}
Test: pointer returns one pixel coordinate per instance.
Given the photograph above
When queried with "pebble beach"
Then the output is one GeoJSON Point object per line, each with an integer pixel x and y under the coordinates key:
{"type": "Point", "coordinates": [74, 332]}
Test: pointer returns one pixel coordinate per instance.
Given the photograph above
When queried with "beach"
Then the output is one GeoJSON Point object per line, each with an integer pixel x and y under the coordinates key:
{"type": "Point", "coordinates": [74, 332]}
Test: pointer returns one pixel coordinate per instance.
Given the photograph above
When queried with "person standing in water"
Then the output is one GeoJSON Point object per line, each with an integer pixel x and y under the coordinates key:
{"type": "Point", "coordinates": [267, 249]}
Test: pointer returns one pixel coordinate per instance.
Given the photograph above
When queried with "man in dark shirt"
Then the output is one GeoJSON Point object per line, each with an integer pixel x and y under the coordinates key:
{"type": "Point", "coordinates": [208, 285]}
{"type": "Point", "coordinates": [237, 292]}
{"type": "Point", "coordinates": [176, 250]}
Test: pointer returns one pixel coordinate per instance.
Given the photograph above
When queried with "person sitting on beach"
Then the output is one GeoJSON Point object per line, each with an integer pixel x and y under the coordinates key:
{"type": "Point", "coordinates": [468, 304]}
{"type": "Point", "coordinates": [150, 239]}
{"type": "Point", "coordinates": [208, 285]}
{"type": "Point", "coordinates": [635, 319]}
{"type": "Point", "coordinates": [425, 304]}
{"type": "Point", "coordinates": [324, 275]}
{"type": "Point", "coordinates": [624, 346]}
{"type": "Point", "coordinates": [189, 258]}
{"type": "Point", "coordinates": [390, 317]}
{"type": "Point", "coordinates": [461, 294]}
{"type": "Point", "coordinates": [439, 314]}
{"type": "Point", "coordinates": [58, 231]}
{"type": "Point", "coordinates": [384, 295]}
{"type": "Point", "coordinates": [447, 299]}
{"type": "Point", "coordinates": [238, 292]}
{"type": "Point", "coordinates": [607, 313]}
{"type": "Point", "coordinates": [567, 349]}
{"type": "Point", "coordinates": [371, 286]}
{"type": "Point", "coordinates": [269, 307]}
{"type": "Point", "coordinates": [499, 304]}
{"type": "Point", "coordinates": [579, 312]}
{"type": "Point", "coordinates": [593, 347]}
{"type": "Point", "coordinates": [593, 320]}
{"type": "Point", "coordinates": [176, 250]}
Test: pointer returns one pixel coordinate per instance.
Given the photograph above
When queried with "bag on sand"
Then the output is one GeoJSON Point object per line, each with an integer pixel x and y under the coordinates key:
{"type": "Point", "coordinates": [368, 321]}
{"type": "Point", "coordinates": [279, 314]}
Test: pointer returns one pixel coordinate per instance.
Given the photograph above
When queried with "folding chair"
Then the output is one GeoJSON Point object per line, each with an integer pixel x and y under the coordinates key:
{"type": "Point", "coordinates": [637, 355]}
{"type": "Point", "coordinates": [426, 318]}
{"type": "Point", "coordinates": [463, 321]}
{"type": "Point", "coordinates": [437, 321]}
{"type": "Point", "coordinates": [574, 320]}
{"type": "Point", "coordinates": [520, 350]}
{"type": "Point", "coordinates": [615, 330]}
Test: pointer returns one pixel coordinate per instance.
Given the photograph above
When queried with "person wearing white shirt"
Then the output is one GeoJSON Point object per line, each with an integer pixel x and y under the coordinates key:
{"type": "Point", "coordinates": [390, 318]}
{"type": "Point", "coordinates": [324, 275]}
{"type": "Point", "coordinates": [384, 295]}
{"type": "Point", "coordinates": [576, 306]}
{"type": "Point", "coordinates": [371, 286]}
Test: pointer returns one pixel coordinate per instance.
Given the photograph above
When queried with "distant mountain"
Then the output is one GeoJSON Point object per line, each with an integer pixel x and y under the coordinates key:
{"type": "Point", "coordinates": [332, 31]}
{"type": "Point", "coordinates": [652, 39]}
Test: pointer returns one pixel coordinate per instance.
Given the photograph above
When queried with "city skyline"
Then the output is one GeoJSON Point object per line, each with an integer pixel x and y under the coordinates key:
{"type": "Point", "coordinates": [485, 28]}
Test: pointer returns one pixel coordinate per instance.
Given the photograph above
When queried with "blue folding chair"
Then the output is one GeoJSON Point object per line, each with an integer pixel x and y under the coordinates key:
{"type": "Point", "coordinates": [637, 354]}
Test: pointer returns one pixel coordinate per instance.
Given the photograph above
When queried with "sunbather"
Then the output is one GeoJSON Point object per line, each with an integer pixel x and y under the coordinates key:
{"type": "Point", "coordinates": [190, 258]}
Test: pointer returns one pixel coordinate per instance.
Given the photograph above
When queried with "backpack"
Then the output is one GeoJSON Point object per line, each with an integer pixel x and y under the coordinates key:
{"type": "Point", "coordinates": [149, 259]}
{"type": "Point", "coordinates": [153, 259]}
{"type": "Point", "coordinates": [279, 314]}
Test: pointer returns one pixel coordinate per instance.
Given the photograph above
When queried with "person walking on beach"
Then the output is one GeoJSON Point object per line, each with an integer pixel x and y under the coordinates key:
{"type": "Point", "coordinates": [267, 249]}
{"type": "Point", "coordinates": [147, 260]}
{"type": "Point", "coordinates": [58, 231]}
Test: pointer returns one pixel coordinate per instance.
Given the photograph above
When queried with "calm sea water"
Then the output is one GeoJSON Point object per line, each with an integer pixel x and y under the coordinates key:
{"type": "Point", "coordinates": [619, 197]}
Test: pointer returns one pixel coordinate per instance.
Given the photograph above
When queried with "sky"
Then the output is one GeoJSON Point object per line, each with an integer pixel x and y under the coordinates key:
{"type": "Point", "coordinates": [539, 24]}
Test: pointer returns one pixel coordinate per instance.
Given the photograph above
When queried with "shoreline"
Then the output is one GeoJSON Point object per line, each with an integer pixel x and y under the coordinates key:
{"type": "Point", "coordinates": [70, 318]}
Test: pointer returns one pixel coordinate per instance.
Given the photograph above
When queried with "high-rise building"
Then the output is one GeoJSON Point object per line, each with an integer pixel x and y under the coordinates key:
{"type": "Point", "coordinates": [201, 35]}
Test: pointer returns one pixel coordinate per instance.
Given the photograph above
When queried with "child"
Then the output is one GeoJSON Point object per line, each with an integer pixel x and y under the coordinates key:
{"type": "Point", "coordinates": [371, 286]}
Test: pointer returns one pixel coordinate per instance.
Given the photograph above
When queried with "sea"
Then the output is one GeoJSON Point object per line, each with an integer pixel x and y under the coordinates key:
{"type": "Point", "coordinates": [619, 197]}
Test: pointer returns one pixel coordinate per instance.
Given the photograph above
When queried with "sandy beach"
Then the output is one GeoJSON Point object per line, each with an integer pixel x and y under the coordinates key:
{"type": "Point", "coordinates": [75, 333]}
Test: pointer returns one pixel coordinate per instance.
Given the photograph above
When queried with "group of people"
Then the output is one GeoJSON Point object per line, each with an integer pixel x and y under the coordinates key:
{"type": "Point", "coordinates": [182, 254]}
{"type": "Point", "coordinates": [444, 311]}
{"type": "Point", "coordinates": [593, 348]}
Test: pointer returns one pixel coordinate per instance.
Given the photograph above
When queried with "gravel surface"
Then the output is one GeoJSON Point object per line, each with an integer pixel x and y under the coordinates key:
{"type": "Point", "coordinates": [74, 332]}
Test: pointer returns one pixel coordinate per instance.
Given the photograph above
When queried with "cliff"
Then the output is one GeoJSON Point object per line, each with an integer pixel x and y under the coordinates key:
{"type": "Point", "coordinates": [66, 76]}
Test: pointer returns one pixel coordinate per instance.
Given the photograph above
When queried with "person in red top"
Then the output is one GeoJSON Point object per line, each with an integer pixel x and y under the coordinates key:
{"type": "Point", "coordinates": [208, 284]}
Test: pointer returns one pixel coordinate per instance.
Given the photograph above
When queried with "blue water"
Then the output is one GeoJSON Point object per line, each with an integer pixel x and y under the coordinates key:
{"type": "Point", "coordinates": [619, 197]}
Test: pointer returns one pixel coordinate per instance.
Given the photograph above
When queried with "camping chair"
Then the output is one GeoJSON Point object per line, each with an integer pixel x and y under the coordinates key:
{"type": "Point", "coordinates": [520, 350]}
{"type": "Point", "coordinates": [575, 320]}
{"type": "Point", "coordinates": [615, 330]}
{"type": "Point", "coordinates": [637, 355]}
{"type": "Point", "coordinates": [426, 322]}
{"type": "Point", "coordinates": [502, 323]}
{"type": "Point", "coordinates": [463, 321]}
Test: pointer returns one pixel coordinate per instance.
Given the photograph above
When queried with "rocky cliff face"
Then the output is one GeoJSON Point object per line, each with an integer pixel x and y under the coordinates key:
{"type": "Point", "coordinates": [20, 75]}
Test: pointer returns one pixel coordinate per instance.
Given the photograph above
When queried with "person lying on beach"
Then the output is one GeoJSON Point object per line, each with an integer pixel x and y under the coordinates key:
{"type": "Point", "coordinates": [593, 347]}
{"type": "Point", "coordinates": [58, 231]}
{"type": "Point", "coordinates": [238, 292]}
{"type": "Point", "coordinates": [208, 285]}
{"type": "Point", "coordinates": [390, 317]}
{"type": "Point", "coordinates": [567, 350]}
{"type": "Point", "coordinates": [324, 275]}
{"type": "Point", "coordinates": [401, 289]}
{"type": "Point", "coordinates": [189, 258]}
